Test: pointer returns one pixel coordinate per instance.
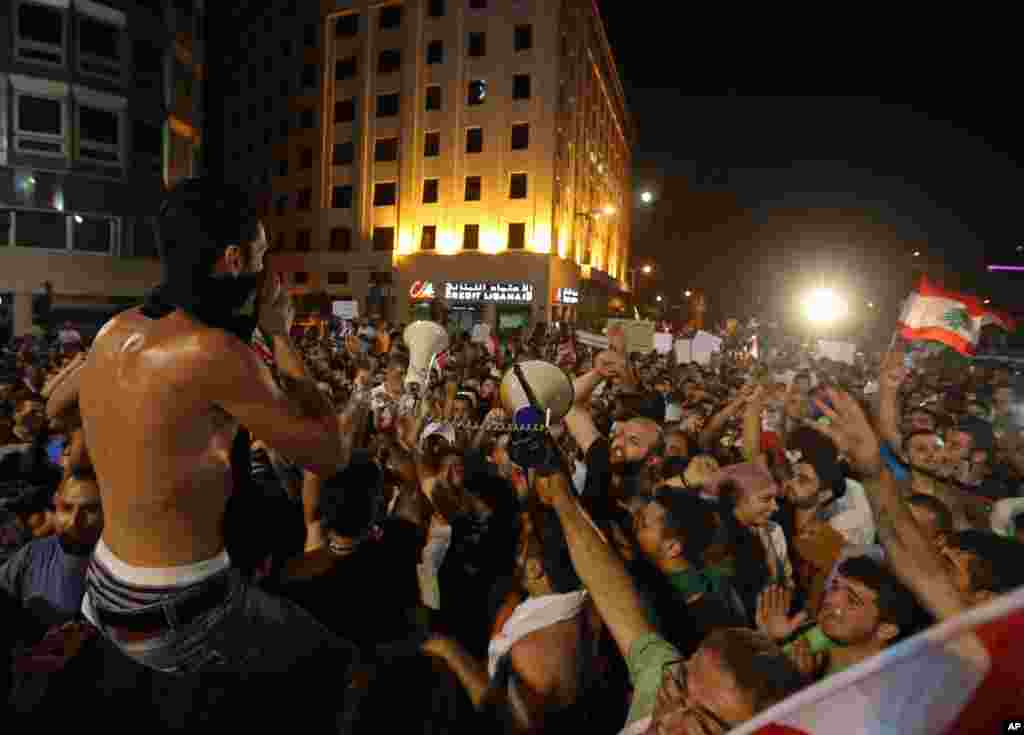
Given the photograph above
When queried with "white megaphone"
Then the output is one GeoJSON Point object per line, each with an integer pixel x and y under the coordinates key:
{"type": "Point", "coordinates": [545, 401]}
{"type": "Point", "coordinates": [425, 340]}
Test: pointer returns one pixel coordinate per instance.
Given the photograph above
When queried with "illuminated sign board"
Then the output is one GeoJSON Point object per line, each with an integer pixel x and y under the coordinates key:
{"type": "Point", "coordinates": [495, 293]}
{"type": "Point", "coordinates": [568, 296]}
{"type": "Point", "coordinates": [421, 290]}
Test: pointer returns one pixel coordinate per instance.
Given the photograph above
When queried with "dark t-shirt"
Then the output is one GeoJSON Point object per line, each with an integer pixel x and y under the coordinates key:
{"type": "Point", "coordinates": [48, 583]}
{"type": "Point", "coordinates": [366, 597]}
{"type": "Point", "coordinates": [597, 488]}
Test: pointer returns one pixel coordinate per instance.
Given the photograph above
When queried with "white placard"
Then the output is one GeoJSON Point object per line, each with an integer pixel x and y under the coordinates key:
{"type": "Point", "coordinates": [345, 309]}
{"type": "Point", "coordinates": [844, 352]}
{"type": "Point", "coordinates": [684, 351]}
{"type": "Point", "coordinates": [663, 342]}
{"type": "Point", "coordinates": [639, 334]}
{"type": "Point", "coordinates": [704, 346]}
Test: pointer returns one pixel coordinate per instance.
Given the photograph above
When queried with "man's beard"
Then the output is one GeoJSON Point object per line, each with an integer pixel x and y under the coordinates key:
{"type": "Point", "coordinates": [75, 547]}
{"type": "Point", "coordinates": [222, 301]}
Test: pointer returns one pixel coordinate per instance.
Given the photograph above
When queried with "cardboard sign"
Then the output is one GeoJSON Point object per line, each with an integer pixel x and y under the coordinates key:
{"type": "Point", "coordinates": [639, 334]}
{"type": "Point", "coordinates": [663, 342]}
{"type": "Point", "coordinates": [345, 309]}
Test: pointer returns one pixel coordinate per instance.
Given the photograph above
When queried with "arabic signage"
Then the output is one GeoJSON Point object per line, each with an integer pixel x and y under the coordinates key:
{"type": "Point", "coordinates": [495, 293]}
{"type": "Point", "coordinates": [568, 296]}
{"type": "Point", "coordinates": [421, 290]}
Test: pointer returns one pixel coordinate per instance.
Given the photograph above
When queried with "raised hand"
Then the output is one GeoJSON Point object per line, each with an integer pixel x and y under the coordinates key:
{"type": "Point", "coordinates": [773, 618]}
{"type": "Point", "coordinates": [851, 431]}
{"type": "Point", "coordinates": [609, 364]}
{"type": "Point", "coordinates": [807, 663]}
{"type": "Point", "coordinates": [893, 372]}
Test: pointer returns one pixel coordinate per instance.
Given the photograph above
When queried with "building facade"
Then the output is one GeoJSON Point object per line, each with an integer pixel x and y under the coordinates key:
{"type": "Point", "coordinates": [99, 113]}
{"type": "Point", "coordinates": [476, 151]}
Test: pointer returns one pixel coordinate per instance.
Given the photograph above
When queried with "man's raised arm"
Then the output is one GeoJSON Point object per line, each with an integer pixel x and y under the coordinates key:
{"type": "Point", "coordinates": [580, 423]}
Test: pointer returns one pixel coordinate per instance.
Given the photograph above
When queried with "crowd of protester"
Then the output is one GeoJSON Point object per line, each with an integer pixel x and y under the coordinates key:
{"type": "Point", "coordinates": [715, 538]}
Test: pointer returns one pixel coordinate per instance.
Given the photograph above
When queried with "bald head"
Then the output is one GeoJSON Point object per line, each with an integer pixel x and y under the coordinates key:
{"type": "Point", "coordinates": [637, 440]}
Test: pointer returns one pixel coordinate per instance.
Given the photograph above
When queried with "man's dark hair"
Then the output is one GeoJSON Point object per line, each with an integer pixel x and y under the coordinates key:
{"type": "Point", "coordinates": [400, 361]}
{"type": "Point", "coordinates": [257, 524]}
{"type": "Point", "coordinates": [200, 218]}
{"type": "Point", "coordinates": [350, 501]}
{"type": "Point", "coordinates": [896, 604]}
{"type": "Point", "coordinates": [943, 515]}
{"type": "Point", "coordinates": [762, 671]}
{"type": "Point", "coordinates": [913, 434]}
{"type": "Point", "coordinates": [691, 520]}
{"type": "Point", "coordinates": [997, 564]}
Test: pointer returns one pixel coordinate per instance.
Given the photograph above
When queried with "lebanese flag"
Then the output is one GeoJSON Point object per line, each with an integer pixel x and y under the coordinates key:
{"type": "Point", "coordinates": [954, 319]}
{"type": "Point", "coordinates": [964, 676]}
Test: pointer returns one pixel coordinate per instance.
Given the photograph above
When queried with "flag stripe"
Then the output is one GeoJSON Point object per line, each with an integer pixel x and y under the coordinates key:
{"type": "Point", "coordinates": [938, 334]}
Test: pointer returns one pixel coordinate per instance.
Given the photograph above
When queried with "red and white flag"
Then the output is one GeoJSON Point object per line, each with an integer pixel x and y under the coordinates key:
{"type": "Point", "coordinates": [954, 319]}
{"type": "Point", "coordinates": [965, 676]}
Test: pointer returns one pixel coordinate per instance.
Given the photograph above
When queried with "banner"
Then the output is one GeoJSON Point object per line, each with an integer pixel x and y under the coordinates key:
{"type": "Point", "coordinates": [639, 334]}
{"type": "Point", "coordinates": [845, 352]}
{"type": "Point", "coordinates": [345, 309]}
{"type": "Point", "coordinates": [663, 342]}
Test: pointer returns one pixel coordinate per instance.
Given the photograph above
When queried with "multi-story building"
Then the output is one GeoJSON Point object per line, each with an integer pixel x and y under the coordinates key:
{"type": "Point", "coordinates": [99, 112]}
{"type": "Point", "coordinates": [476, 151]}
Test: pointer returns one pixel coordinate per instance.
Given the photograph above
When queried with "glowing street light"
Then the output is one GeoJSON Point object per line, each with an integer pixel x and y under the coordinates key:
{"type": "Point", "coordinates": [647, 269]}
{"type": "Point", "coordinates": [824, 306]}
{"type": "Point", "coordinates": [659, 298]}
{"type": "Point", "coordinates": [688, 293]}
{"type": "Point", "coordinates": [988, 301]}
{"type": "Point", "coordinates": [609, 210]}
{"type": "Point", "coordinates": [647, 197]}
{"type": "Point", "coordinates": [917, 253]}
{"type": "Point", "coordinates": [871, 305]}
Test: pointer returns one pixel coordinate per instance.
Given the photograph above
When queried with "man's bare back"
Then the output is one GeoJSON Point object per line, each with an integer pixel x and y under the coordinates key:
{"type": "Point", "coordinates": [161, 449]}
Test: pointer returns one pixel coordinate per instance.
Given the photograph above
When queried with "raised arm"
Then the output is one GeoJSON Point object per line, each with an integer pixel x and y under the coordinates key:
{"type": "Point", "coordinates": [752, 426]}
{"type": "Point", "coordinates": [580, 423]}
{"type": "Point", "coordinates": [600, 570]}
{"type": "Point", "coordinates": [61, 392]}
{"type": "Point", "coordinates": [890, 378]}
{"type": "Point", "coordinates": [717, 423]}
{"type": "Point", "coordinates": [913, 558]}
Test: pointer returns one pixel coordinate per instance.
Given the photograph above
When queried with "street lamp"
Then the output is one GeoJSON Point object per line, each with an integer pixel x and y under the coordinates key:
{"type": "Point", "coordinates": [687, 293]}
{"type": "Point", "coordinates": [988, 301]}
{"type": "Point", "coordinates": [658, 299]}
{"type": "Point", "coordinates": [646, 270]}
{"type": "Point", "coordinates": [824, 306]}
{"type": "Point", "coordinates": [871, 305]}
{"type": "Point", "coordinates": [917, 253]}
{"type": "Point", "coordinates": [647, 197]}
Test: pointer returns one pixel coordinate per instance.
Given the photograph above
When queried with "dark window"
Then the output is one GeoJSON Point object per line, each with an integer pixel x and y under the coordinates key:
{"type": "Point", "coordinates": [309, 35]}
{"type": "Point", "coordinates": [517, 189]}
{"type": "Point", "coordinates": [305, 158]}
{"type": "Point", "coordinates": [41, 24]}
{"type": "Point", "coordinates": [40, 115]}
{"type": "Point", "coordinates": [428, 240]}
{"type": "Point", "coordinates": [517, 236]}
{"type": "Point", "coordinates": [386, 150]}
{"type": "Point", "coordinates": [478, 4]}
{"type": "Point", "coordinates": [391, 16]}
{"type": "Point", "coordinates": [387, 105]}
{"type": "Point", "coordinates": [285, 88]}
{"type": "Point", "coordinates": [523, 38]}
{"type": "Point", "coordinates": [520, 136]}
{"type": "Point", "coordinates": [380, 279]}
{"type": "Point", "coordinates": [282, 205]}
{"type": "Point", "coordinates": [477, 45]}
{"type": "Point", "coordinates": [301, 277]}
{"type": "Point", "coordinates": [305, 202]}
{"type": "Point", "coordinates": [385, 195]}
{"type": "Point", "coordinates": [347, 26]}
{"type": "Point", "coordinates": [283, 128]}
{"type": "Point", "coordinates": [435, 52]}
{"type": "Point", "coordinates": [147, 139]}
{"type": "Point", "coordinates": [304, 241]}
{"type": "Point", "coordinates": [307, 119]}
{"type": "Point", "coordinates": [268, 64]}
{"type": "Point", "coordinates": [430, 187]}
{"type": "Point", "coordinates": [475, 140]}
{"type": "Point", "coordinates": [309, 76]}
{"type": "Point", "coordinates": [286, 47]}
{"type": "Point", "coordinates": [99, 39]}
{"type": "Point", "coordinates": [341, 240]}
{"type": "Point", "coordinates": [345, 111]}
{"type": "Point", "coordinates": [268, 134]}
{"type": "Point", "coordinates": [149, 63]}
{"type": "Point", "coordinates": [471, 237]}
{"type": "Point", "coordinates": [521, 87]}
{"type": "Point", "coordinates": [432, 145]}
{"type": "Point", "coordinates": [389, 61]}
{"type": "Point", "coordinates": [346, 68]}
{"type": "Point", "coordinates": [342, 198]}
{"type": "Point", "coordinates": [433, 97]}
{"type": "Point", "coordinates": [337, 278]}
{"type": "Point", "coordinates": [282, 167]}
{"type": "Point", "coordinates": [383, 238]}
{"type": "Point", "coordinates": [472, 188]}
{"type": "Point", "coordinates": [268, 104]}
{"type": "Point", "coordinates": [436, 9]}
{"type": "Point", "coordinates": [344, 153]}
{"type": "Point", "coordinates": [98, 126]}
{"type": "Point", "coordinates": [477, 92]}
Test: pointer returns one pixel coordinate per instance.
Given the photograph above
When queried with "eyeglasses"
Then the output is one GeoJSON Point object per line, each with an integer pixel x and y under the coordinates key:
{"type": "Point", "coordinates": [708, 722]}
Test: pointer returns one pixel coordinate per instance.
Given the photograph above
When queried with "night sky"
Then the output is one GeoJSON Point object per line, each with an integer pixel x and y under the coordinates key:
{"type": "Point", "coordinates": [778, 163]}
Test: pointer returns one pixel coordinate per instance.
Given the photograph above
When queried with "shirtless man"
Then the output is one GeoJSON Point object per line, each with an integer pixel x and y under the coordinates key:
{"type": "Point", "coordinates": [161, 396]}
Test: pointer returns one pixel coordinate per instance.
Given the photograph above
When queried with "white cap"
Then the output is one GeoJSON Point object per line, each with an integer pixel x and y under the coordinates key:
{"type": "Point", "coordinates": [447, 431]}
